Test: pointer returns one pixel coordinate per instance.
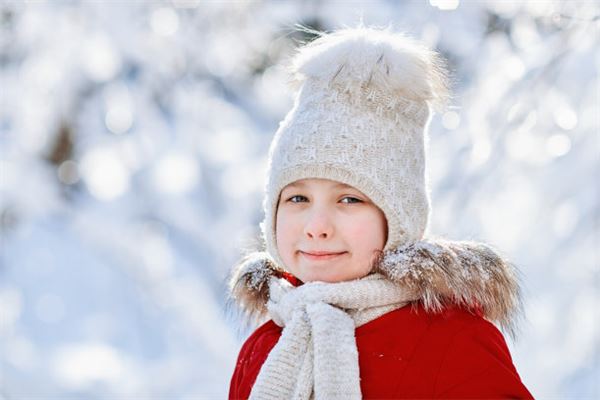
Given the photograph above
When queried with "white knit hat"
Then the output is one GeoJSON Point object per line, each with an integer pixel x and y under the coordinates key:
{"type": "Point", "coordinates": [360, 116]}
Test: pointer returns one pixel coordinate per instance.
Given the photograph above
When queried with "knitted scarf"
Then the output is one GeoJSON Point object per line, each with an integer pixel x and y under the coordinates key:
{"type": "Point", "coordinates": [318, 321]}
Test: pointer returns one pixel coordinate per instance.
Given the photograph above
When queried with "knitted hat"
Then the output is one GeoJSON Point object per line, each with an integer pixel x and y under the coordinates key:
{"type": "Point", "coordinates": [360, 115]}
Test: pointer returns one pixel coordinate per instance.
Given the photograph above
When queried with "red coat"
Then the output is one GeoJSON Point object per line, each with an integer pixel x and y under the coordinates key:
{"type": "Point", "coordinates": [410, 353]}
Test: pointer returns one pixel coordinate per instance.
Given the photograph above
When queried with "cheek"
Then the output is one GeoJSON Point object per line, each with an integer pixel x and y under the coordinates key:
{"type": "Point", "coordinates": [279, 226]}
{"type": "Point", "coordinates": [355, 230]}
{"type": "Point", "coordinates": [383, 229]}
{"type": "Point", "coordinates": [284, 230]}
{"type": "Point", "coordinates": [368, 231]}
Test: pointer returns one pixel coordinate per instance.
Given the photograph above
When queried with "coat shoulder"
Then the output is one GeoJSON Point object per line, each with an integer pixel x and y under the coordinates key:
{"type": "Point", "coordinates": [475, 360]}
{"type": "Point", "coordinates": [453, 352]}
{"type": "Point", "coordinates": [401, 350]}
{"type": "Point", "coordinates": [417, 317]}
{"type": "Point", "coordinates": [251, 357]}
{"type": "Point", "coordinates": [264, 332]}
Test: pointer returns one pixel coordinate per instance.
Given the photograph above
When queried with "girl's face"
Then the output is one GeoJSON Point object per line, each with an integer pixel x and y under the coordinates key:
{"type": "Point", "coordinates": [328, 231]}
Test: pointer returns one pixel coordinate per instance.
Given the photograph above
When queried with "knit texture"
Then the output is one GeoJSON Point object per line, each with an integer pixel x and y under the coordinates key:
{"type": "Point", "coordinates": [360, 116]}
{"type": "Point", "coordinates": [319, 320]}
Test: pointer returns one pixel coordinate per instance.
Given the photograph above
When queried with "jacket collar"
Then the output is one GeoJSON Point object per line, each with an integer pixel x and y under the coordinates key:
{"type": "Point", "coordinates": [466, 273]}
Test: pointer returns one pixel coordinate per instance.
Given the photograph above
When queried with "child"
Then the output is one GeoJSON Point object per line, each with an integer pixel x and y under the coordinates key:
{"type": "Point", "coordinates": [361, 304]}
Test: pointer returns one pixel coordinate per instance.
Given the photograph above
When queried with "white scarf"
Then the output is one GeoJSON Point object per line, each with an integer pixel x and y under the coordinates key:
{"type": "Point", "coordinates": [316, 355]}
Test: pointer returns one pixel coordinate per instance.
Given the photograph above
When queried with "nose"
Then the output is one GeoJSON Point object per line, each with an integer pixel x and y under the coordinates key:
{"type": "Point", "coordinates": [318, 225]}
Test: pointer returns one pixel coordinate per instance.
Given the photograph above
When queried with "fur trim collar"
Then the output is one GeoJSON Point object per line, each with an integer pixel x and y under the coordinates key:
{"type": "Point", "coordinates": [466, 273]}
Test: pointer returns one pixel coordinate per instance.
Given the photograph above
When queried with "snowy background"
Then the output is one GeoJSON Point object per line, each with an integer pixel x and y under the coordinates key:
{"type": "Point", "coordinates": [134, 135]}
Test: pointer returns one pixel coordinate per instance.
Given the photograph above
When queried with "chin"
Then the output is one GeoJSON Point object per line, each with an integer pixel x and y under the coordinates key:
{"type": "Point", "coordinates": [313, 276]}
{"type": "Point", "coordinates": [321, 279]}
{"type": "Point", "coordinates": [324, 277]}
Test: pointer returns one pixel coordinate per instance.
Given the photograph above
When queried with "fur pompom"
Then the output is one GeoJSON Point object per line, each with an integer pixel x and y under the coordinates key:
{"type": "Point", "coordinates": [467, 273]}
{"type": "Point", "coordinates": [360, 57]}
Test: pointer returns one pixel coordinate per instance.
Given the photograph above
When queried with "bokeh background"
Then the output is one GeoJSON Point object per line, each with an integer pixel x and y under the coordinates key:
{"type": "Point", "coordinates": [134, 137]}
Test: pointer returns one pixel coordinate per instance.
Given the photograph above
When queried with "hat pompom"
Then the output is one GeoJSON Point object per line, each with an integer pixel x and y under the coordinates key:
{"type": "Point", "coordinates": [366, 56]}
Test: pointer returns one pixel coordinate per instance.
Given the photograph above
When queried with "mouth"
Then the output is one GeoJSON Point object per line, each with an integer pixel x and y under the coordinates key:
{"type": "Point", "coordinates": [322, 256]}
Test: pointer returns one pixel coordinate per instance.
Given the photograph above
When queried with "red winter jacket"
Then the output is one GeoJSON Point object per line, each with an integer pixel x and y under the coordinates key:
{"type": "Point", "coordinates": [411, 353]}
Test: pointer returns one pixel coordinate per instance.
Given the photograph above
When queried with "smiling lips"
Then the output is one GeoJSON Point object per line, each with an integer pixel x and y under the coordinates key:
{"type": "Point", "coordinates": [321, 255]}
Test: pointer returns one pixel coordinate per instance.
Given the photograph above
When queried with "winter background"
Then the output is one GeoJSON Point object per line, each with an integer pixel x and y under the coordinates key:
{"type": "Point", "coordinates": [134, 137]}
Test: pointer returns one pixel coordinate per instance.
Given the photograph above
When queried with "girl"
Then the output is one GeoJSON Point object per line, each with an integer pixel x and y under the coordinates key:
{"type": "Point", "coordinates": [360, 304]}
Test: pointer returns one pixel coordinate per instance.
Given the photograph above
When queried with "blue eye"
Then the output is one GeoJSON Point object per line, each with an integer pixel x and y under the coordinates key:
{"type": "Point", "coordinates": [299, 199]}
{"type": "Point", "coordinates": [354, 200]}
{"type": "Point", "coordinates": [294, 197]}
